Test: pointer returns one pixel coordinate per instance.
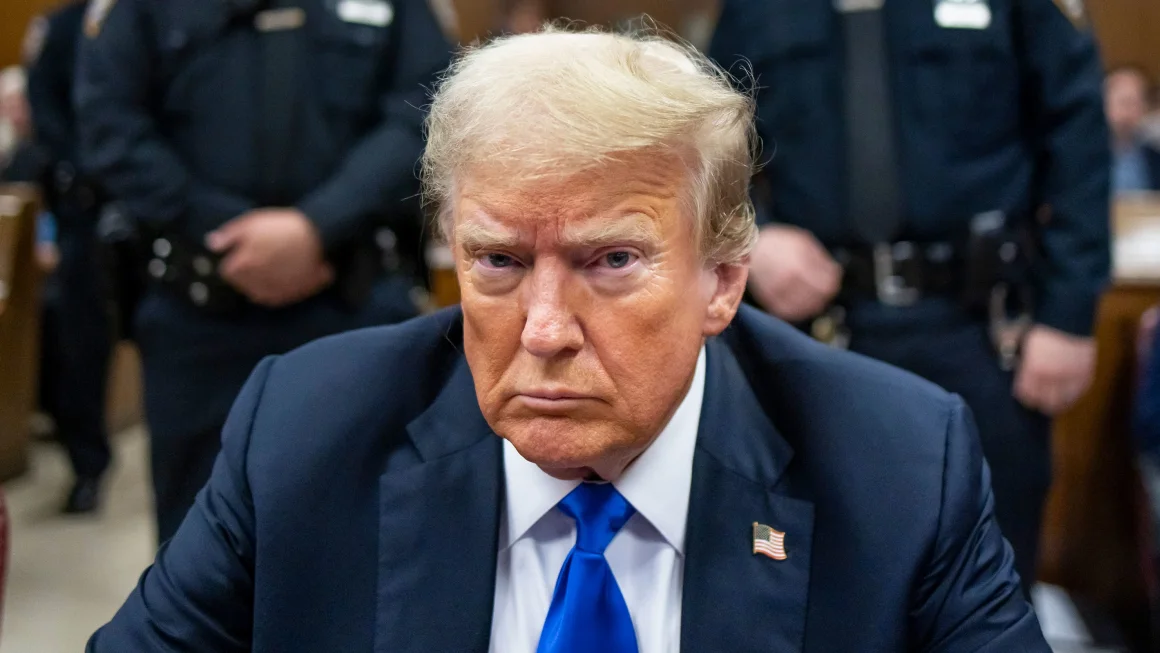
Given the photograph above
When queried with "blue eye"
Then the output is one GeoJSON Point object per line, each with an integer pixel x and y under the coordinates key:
{"type": "Point", "coordinates": [500, 260]}
{"type": "Point", "coordinates": [617, 260]}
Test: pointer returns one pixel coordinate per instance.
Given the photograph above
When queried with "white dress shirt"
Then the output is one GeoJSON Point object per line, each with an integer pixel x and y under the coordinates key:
{"type": "Point", "coordinates": [646, 556]}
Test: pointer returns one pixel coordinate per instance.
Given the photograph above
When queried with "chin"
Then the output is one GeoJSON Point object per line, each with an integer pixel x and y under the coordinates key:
{"type": "Point", "coordinates": [563, 447]}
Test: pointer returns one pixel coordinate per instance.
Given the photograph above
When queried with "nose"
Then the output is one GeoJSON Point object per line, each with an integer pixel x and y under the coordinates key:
{"type": "Point", "coordinates": [551, 327]}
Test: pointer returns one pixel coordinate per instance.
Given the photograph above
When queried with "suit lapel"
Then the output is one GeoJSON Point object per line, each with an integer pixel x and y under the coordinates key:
{"type": "Point", "coordinates": [439, 522]}
{"type": "Point", "coordinates": [734, 598]}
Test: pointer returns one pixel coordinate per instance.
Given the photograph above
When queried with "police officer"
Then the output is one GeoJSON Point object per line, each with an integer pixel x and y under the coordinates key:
{"type": "Point", "coordinates": [936, 195]}
{"type": "Point", "coordinates": [83, 330]}
{"type": "Point", "coordinates": [268, 150]}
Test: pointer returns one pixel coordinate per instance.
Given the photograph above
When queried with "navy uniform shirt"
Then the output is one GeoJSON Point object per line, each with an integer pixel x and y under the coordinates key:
{"type": "Point", "coordinates": [1008, 117]}
{"type": "Point", "coordinates": [168, 97]}
{"type": "Point", "coordinates": [51, 70]}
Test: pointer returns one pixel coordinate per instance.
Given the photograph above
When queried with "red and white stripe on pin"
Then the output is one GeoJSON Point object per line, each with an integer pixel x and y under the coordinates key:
{"type": "Point", "coordinates": [768, 542]}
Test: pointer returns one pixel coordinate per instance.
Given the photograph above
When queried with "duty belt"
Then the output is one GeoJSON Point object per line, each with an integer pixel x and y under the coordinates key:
{"type": "Point", "coordinates": [902, 273]}
{"type": "Point", "coordinates": [191, 271]}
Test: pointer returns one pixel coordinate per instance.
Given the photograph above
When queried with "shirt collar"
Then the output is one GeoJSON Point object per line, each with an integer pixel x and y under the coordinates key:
{"type": "Point", "coordinates": [657, 483]}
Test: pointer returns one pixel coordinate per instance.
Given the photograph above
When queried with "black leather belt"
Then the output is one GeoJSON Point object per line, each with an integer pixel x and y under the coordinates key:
{"type": "Point", "coordinates": [900, 274]}
{"type": "Point", "coordinates": [191, 271]}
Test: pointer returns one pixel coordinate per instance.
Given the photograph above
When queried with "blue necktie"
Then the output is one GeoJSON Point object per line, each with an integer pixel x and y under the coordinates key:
{"type": "Point", "coordinates": [588, 612]}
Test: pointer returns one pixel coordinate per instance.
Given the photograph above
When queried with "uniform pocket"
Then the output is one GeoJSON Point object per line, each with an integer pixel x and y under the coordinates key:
{"type": "Point", "coordinates": [798, 77]}
{"type": "Point", "coordinates": [193, 46]}
{"type": "Point", "coordinates": [350, 60]}
{"type": "Point", "coordinates": [966, 80]}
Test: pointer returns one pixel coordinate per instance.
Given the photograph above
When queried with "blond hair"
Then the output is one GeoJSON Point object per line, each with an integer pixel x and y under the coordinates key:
{"type": "Point", "coordinates": [561, 101]}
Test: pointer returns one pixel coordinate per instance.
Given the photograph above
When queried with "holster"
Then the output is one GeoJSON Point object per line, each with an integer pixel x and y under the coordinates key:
{"type": "Point", "coordinates": [996, 253]}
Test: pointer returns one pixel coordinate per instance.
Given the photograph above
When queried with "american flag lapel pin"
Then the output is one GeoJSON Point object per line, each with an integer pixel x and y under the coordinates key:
{"type": "Point", "coordinates": [768, 542]}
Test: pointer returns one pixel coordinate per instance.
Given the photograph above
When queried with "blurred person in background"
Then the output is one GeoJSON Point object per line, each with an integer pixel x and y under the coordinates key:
{"type": "Point", "coordinates": [1128, 98]}
{"type": "Point", "coordinates": [1150, 126]}
{"type": "Point", "coordinates": [20, 160]}
{"type": "Point", "coordinates": [523, 16]}
{"type": "Point", "coordinates": [263, 149]}
{"type": "Point", "coordinates": [1146, 422]}
{"type": "Point", "coordinates": [81, 319]}
{"type": "Point", "coordinates": [916, 151]}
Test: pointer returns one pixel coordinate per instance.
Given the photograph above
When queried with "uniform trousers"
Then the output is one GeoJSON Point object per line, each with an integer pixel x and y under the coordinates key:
{"type": "Point", "coordinates": [85, 340]}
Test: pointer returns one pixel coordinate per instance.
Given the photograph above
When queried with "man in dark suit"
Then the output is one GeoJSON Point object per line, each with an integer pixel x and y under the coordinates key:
{"type": "Point", "coordinates": [669, 473]}
{"type": "Point", "coordinates": [1127, 100]}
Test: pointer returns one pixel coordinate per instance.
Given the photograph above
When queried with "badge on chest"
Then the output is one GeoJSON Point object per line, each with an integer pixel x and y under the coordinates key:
{"type": "Point", "coordinates": [374, 13]}
{"type": "Point", "coordinates": [962, 14]}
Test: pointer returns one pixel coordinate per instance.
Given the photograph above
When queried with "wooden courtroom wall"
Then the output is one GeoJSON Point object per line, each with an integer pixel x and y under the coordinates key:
{"type": "Point", "coordinates": [14, 18]}
{"type": "Point", "coordinates": [478, 17]}
{"type": "Point", "coordinates": [1129, 32]}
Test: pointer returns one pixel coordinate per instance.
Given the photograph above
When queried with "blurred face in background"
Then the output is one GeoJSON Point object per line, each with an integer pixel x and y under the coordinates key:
{"type": "Point", "coordinates": [15, 116]}
{"type": "Point", "coordinates": [527, 16]}
{"type": "Point", "coordinates": [1127, 103]}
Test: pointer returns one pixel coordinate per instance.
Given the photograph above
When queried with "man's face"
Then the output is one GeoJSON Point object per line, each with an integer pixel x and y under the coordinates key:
{"type": "Point", "coordinates": [14, 109]}
{"type": "Point", "coordinates": [1126, 103]}
{"type": "Point", "coordinates": [585, 305]}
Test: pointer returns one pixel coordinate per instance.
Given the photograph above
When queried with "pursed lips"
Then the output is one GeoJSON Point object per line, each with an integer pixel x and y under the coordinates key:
{"type": "Point", "coordinates": [551, 400]}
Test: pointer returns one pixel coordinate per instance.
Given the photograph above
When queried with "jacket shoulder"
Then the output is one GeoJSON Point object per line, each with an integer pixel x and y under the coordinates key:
{"type": "Point", "coordinates": [777, 349]}
{"type": "Point", "coordinates": [840, 407]}
{"type": "Point", "coordinates": [360, 385]}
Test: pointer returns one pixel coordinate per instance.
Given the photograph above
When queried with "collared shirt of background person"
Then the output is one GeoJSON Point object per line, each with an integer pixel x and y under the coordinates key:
{"type": "Point", "coordinates": [84, 335]}
{"type": "Point", "coordinates": [1128, 100]}
{"type": "Point", "coordinates": [265, 147]}
{"type": "Point", "coordinates": [670, 474]}
{"type": "Point", "coordinates": [907, 144]}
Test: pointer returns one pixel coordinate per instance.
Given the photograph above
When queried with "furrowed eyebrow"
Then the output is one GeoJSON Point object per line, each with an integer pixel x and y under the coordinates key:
{"type": "Point", "coordinates": [614, 233]}
{"type": "Point", "coordinates": [474, 237]}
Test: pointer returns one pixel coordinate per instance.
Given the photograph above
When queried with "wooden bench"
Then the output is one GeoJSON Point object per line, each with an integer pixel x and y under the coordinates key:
{"type": "Point", "coordinates": [20, 281]}
{"type": "Point", "coordinates": [1095, 535]}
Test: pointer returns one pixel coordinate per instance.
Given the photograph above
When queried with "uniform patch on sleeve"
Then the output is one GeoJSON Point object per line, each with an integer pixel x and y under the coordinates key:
{"type": "Point", "coordinates": [1076, 12]}
{"type": "Point", "coordinates": [95, 16]}
{"type": "Point", "coordinates": [34, 40]}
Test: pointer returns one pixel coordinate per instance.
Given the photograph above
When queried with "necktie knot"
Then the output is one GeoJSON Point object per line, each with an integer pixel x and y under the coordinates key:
{"type": "Point", "coordinates": [600, 512]}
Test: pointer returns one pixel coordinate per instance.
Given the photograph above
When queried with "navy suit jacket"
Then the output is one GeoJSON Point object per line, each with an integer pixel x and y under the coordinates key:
{"type": "Point", "coordinates": [356, 507]}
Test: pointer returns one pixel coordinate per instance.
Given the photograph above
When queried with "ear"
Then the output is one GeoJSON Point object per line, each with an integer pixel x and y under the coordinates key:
{"type": "Point", "coordinates": [727, 285]}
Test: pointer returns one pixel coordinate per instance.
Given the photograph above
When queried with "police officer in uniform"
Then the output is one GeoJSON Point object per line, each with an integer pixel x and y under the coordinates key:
{"type": "Point", "coordinates": [83, 329]}
{"type": "Point", "coordinates": [267, 150]}
{"type": "Point", "coordinates": [936, 196]}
